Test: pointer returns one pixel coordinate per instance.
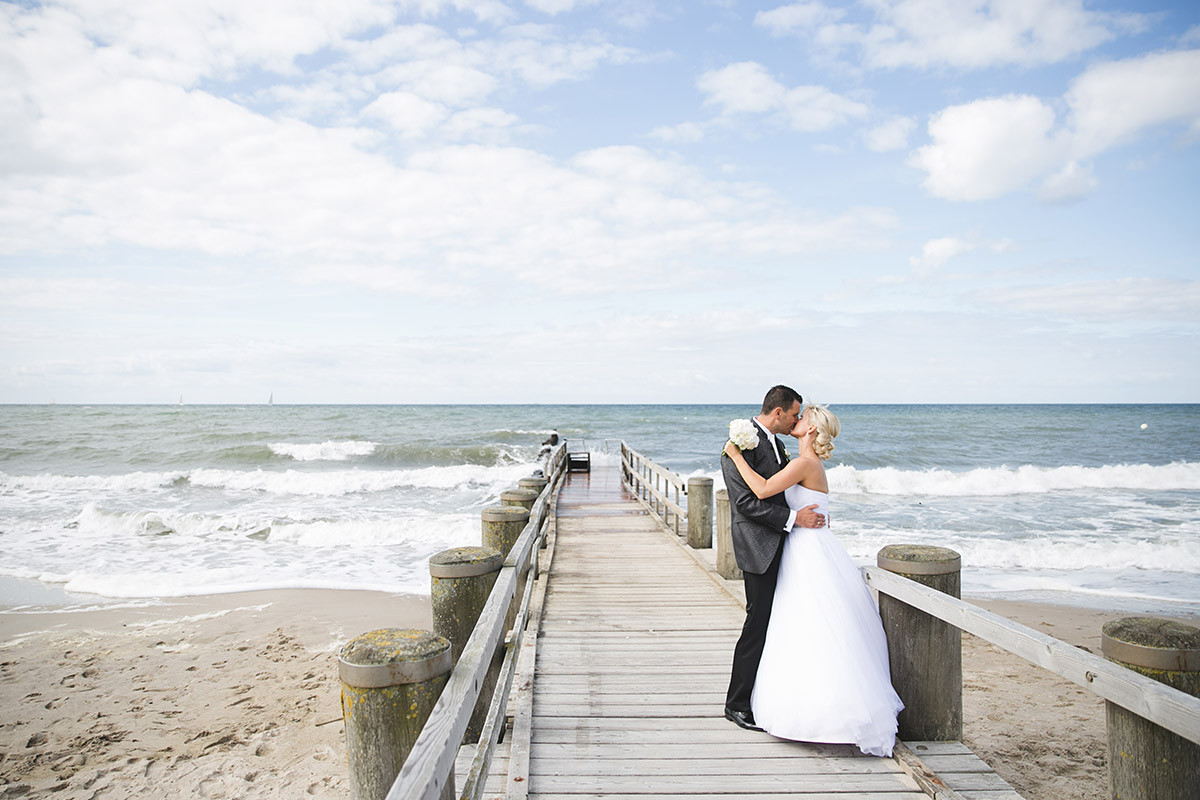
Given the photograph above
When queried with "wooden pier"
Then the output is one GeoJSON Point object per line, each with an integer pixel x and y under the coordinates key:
{"type": "Point", "coordinates": [632, 662]}
{"type": "Point", "coordinates": [616, 633]}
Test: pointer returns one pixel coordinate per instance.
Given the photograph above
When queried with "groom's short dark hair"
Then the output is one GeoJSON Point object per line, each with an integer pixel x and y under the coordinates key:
{"type": "Point", "coordinates": [781, 397]}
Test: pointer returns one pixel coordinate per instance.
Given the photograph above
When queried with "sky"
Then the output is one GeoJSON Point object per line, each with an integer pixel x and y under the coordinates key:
{"type": "Point", "coordinates": [599, 201]}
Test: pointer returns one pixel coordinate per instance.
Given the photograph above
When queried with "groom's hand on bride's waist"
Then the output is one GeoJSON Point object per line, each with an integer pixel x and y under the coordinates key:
{"type": "Point", "coordinates": [807, 518]}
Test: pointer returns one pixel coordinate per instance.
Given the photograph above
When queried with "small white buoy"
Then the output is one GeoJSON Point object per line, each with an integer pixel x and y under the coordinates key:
{"type": "Point", "coordinates": [1144, 426]}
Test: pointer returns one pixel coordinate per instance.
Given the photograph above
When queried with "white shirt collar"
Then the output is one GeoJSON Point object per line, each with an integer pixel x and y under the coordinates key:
{"type": "Point", "coordinates": [771, 439]}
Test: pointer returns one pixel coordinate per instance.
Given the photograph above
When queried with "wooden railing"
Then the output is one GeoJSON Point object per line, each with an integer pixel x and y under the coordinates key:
{"type": "Point", "coordinates": [1154, 702]}
{"type": "Point", "coordinates": [1163, 705]}
{"type": "Point", "coordinates": [429, 768]}
{"type": "Point", "coordinates": [662, 491]}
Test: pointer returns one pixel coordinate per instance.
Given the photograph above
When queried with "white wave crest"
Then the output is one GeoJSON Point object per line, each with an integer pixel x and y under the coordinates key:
{"type": "Point", "coordinates": [1069, 552]}
{"type": "Point", "coordinates": [325, 451]}
{"type": "Point", "coordinates": [130, 482]}
{"type": "Point", "coordinates": [987, 481]}
{"type": "Point", "coordinates": [427, 531]}
{"type": "Point", "coordinates": [94, 521]}
{"type": "Point", "coordinates": [489, 479]}
{"type": "Point", "coordinates": [344, 482]}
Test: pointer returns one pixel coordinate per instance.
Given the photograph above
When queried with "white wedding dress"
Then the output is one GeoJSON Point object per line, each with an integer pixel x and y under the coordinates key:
{"type": "Point", "coordinates": [824, 673]}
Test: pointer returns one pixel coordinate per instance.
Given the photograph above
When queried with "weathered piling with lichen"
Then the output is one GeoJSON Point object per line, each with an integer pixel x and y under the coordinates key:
{"type": "Point", "coordinates": [391, 679]}
{"type": "Point", "coordinates": [925, 652]}
{"type": "Point", "coordinates": [522, 498]}
{"type": "Point", "coordinates": [727, 566]}
{"type": "Point", "coordinates": [460, 581]}
{"type": "Point", "coordinates": [699, 512]}
{"type": "Point", "coordinates": [1144, 759]}
{"type": "Point", "coordinates": [534, 482]}
{"type": "Point", "coordinates": [502, 525]}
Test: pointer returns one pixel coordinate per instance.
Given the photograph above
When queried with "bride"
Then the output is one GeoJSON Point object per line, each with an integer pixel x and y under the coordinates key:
{"type": "Point", "coordinates": [824, 673]}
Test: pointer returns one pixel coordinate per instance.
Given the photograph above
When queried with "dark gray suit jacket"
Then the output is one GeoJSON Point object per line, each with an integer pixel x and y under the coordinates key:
{"type": "Point", "coordinates": [757, 524]}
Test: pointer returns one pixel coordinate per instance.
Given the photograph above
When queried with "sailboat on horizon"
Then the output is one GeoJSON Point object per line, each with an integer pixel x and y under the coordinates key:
{"type": "Point", "coordinates": [271, 399]}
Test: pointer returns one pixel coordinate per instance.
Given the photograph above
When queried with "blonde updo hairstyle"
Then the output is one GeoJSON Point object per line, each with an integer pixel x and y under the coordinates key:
{"type": "Point", "coordinates": [828, 427]}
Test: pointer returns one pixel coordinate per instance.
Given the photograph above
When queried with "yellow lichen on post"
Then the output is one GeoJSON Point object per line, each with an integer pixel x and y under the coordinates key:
{"type": "Point", "coordinates": [522, 498]}
{"type": "Point", "coordinates": [391, 679]}
{"type": "Point", "coordinates": [502, 525]}
{"type": "Point", "coordinates": [460, 581]}
{"type": "Point", "coordinates": [1146, 760]}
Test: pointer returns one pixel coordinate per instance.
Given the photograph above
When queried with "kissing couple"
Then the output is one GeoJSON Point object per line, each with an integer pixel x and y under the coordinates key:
{"type": "Point", "coordinates": [811, 664]}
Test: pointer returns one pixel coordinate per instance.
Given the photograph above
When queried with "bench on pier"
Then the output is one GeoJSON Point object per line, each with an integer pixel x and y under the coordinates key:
{"type": "Point", "coordinates": [579, 462]}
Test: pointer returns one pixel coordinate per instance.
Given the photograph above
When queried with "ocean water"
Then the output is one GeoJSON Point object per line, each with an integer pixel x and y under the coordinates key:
{"type": "Point", "coordinates": [1089, 505]}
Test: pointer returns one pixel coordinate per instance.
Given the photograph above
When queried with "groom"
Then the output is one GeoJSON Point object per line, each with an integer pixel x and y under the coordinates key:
{"type": "Point", "coordinates": [758, 530]}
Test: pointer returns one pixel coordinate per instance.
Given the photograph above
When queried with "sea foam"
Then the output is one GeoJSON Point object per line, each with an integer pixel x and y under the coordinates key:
{"type": "Point", "coordinates": [325, 451]}
{"type": "Point", "coordinates": [294, 482]}
{"type": "Point", "coordinates": [1027, 479]}
{"type": "Point", "coordinates": [998, 481]}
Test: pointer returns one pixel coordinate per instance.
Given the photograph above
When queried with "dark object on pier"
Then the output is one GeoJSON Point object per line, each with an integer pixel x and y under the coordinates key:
{"type": "Point", "coordinates": [579, 462]}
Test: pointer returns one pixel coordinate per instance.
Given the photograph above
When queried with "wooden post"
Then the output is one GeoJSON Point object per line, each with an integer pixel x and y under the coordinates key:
{"type": "Point", "coordinates": [523, 498]}
{"type": "Point", "coordinates": [925, 652]}
{"type": "Point", "coordinates": [460, 581]}
{"type": "Point", "coordinates": [391, 679]}
{"type": "Point", "coordinates": [1145, 760]}
{"type": "Point", "coordinates": [502, 525]}
{"type": "Point", "coordinates": [534, 483]}
{"type": "Point", "coordinates": [700, 511]}
{"type": "Point", "coordinates": [727, 566]}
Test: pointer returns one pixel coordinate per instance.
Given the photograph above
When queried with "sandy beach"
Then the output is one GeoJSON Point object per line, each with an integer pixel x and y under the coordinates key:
{"type": "Point", "coordinates": [236, 696]}
{"type": "Point", "coordinates": [226, 696]}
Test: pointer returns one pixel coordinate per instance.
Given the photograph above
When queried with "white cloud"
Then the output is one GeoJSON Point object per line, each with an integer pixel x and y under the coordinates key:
{"type": "Point", "coordinates": [937, 252]}
{"type": "Point", "coordinates": [1122, 299]}
{"type": "Point", "coordinates": [1115, 102]}
{"type": "Point", "coordinates": [552, 6]}
{"type": "Point", "coordinates": [146, 164]}
{"type": "Point", "coordinates": [684, 133]}
{"type": "Point", "coordinates": [480, 123]}
{"type": "Point", "coordinates": [797, 17]}
{"type": "Point", "coordinates": [535, 54]}
{"type": "Point", "coordinates": [969, 34]}
{"type": "Point", "coordinates": [890, 135]}
{"type": "Point", "coordinates": [742, 88]}
{"type": "Point", "coordinates": [989, 147]}
{"type": "Point", "coordinates": [747, 88]}
{"type": "Point", "coordinates": [1073, 182]}
{"type": "Point", "coordinates": [406, 113]}
{"type": "Point", "coordinates": [183, 42]}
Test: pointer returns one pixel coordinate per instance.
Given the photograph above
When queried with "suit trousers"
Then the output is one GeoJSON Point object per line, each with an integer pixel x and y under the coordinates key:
{"type": "Point", "coordinates": [760, 595]}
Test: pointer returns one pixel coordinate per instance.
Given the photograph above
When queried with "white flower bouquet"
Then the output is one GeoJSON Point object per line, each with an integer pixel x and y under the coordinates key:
{"type": "Point", "coordinates": [743, 434]}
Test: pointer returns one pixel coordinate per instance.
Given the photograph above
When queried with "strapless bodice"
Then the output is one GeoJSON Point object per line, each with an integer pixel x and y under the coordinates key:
{"type": "Point", "coordinates": [798, 497]}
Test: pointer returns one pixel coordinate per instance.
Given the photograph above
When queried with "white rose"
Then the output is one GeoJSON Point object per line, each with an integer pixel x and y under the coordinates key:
{"type": "Point", "coordinates": [743, 434]}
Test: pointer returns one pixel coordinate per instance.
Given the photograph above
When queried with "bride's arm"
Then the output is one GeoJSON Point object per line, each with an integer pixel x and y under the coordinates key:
{"type": "Point", "coordinates": [765, 487]}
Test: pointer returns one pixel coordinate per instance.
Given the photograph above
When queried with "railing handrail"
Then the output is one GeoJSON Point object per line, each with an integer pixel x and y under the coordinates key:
{"type": "Point", "coordinates": [680, 510]}
{"type": "Point", "coordinates": [430, 763]}
{"type": "Point", "coordinates": [1157, 702]}
{"type": "Point", "coordinates": [674, 478]}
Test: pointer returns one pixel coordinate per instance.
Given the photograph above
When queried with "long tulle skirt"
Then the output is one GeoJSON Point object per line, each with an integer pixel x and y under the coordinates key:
{"type": "Point", "coordinates": [824, 673]}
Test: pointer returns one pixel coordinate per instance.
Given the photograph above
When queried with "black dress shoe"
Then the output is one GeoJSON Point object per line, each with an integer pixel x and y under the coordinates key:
{"type": "Point", "coordinates": [743, 719]}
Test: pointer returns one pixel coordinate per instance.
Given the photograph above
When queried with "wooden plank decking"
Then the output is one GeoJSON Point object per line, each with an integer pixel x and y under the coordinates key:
{"type": "Point", "coordinates": [632, 665]}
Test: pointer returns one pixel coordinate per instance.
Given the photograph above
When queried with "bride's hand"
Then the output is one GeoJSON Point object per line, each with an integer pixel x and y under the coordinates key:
{"type": "Point", "coordinates": [731, 449]}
